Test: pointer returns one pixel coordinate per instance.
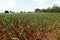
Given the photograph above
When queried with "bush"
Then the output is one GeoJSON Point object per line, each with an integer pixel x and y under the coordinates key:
{"type": "Point", "coordinates": [6, 11]}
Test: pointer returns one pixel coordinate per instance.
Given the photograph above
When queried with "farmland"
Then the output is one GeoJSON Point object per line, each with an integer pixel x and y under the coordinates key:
{"type": "Point", "coordinates": [30, 26]}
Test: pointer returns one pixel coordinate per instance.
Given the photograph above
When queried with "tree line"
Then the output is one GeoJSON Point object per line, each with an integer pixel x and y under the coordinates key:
{"type": "Point", "coordinates": [53, 9]}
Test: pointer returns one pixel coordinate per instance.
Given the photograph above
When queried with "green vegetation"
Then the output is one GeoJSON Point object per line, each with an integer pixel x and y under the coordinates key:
{"type": "Point", "coordinates": [54, 9]}
{"type": "Point", "coordinates": [30, 26]}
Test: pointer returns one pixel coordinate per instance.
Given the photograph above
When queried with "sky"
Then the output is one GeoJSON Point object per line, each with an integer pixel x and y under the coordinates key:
{"type": "Point", "coordinates": [26, 5]}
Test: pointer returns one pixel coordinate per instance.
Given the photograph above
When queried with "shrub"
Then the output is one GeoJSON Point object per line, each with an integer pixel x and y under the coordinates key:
{"type": "Point", "coordinates": [6, 11]}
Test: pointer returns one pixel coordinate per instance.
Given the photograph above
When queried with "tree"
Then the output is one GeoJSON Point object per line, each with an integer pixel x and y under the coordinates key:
{"type": "Point", "coordinates": [37, 10]}
{"type": "Point", "coordinates": [56, 8]}
{"type": "Point", "coordinates": [21, 12]}
{"type": "Point", "coordinates": [49, 9]}
{"type": "Point", "coordinates": [6, 11]}
{"type": "Point", "coordinates": [53, 9]}
{"type": "Point", "coordinates": [43, 10]}
{"type": "Point", "coordinates": [11, 11]}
